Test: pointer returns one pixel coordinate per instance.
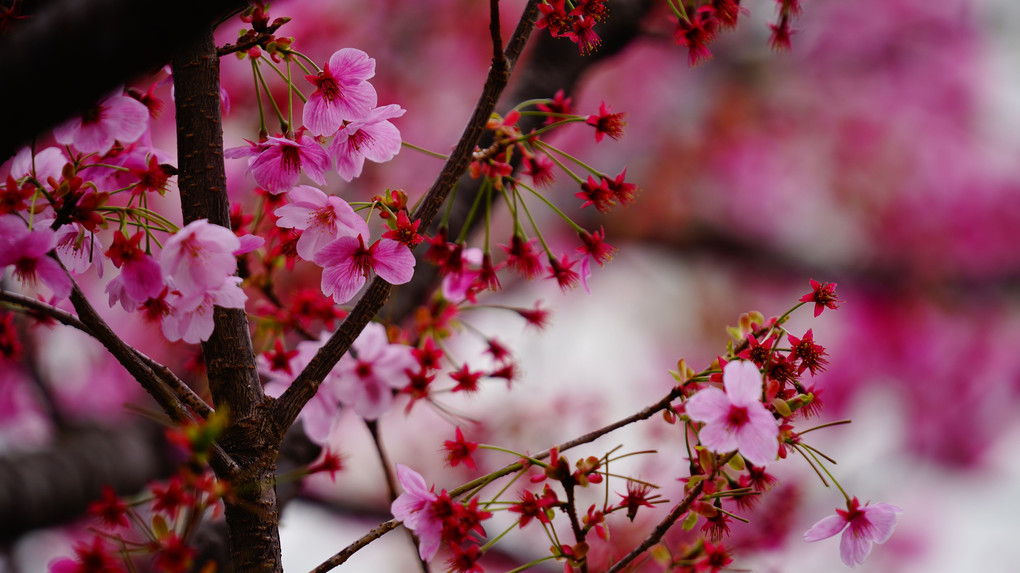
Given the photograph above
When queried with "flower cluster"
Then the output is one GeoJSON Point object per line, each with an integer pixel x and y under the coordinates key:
{"type": "Point", "coordinates": [439, 520]}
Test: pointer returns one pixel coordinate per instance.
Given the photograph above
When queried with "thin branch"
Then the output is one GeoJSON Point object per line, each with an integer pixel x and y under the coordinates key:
{"type": "Point", "coordinates": [660, 530]}
{"type": "Point", "coordinates": [341, 557]}
{"type": "Point", "coordinates": [184, 393]}
{"type": "Point", "coordinates": [306, 384]}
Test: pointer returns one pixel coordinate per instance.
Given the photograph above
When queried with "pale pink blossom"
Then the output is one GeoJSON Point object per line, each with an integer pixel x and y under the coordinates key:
{"type": "Point", "coordinates": [372, 137]}
{"type": "Point", "coordinates": [861, 526]}
{"type": "Point", "coordinates": [116, 118]}
{"type": "Point", "coordinates": [47, 163]}
{"type": "Point", "coordinates": [457, 285]}
{"type": "Point", "coordinates": [26, 250]}
{"type": "Point", "coordinates": [413, 508]}
{"type": "Point", "coordinates": [321, 218]}
{"type": "Point", "coordinates": [199, 257]}
{"type": "Point", "coordinates": [346, 264]}
{"type": "Point", "coordinates": [341, 92]}
{"type": "Point", "coordinates": [280, 162]}
{"type": "Point", "coordinates": [191, 316]}
{"type": "Point", "coordinates": [366, 378]}
{"type": "Point", "coordinates": [736, 419]}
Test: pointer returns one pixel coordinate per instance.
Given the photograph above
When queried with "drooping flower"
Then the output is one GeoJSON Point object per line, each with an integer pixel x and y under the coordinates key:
{"type": "Point", "coordinates": [736, 419]}
{"type": "Point", "coordinates": [696, 34]}
{"type": "Point", "coordinates": [607, 123]}
{"type": "Point", "coordinates": [371, 137]}
{"type": "Point", "coordinates": [413, 507]}
{"type": "Point", "coordinates": [366, 378]}
{"type": "Point", "coordinates": [116, 118]}
{"type": "Point", "coordinates": [280, 162]}
{"type": "Point", "coordinates": [78, 250]}
{"type": "Point", "coordinates": [199, 257]}
{"type": "Point", "coordinates": [140, 275]}
{"type": "Point", "coordinates": [94, 558]}
{"type": "Point", "coordinates": [191, 316]}
{"type": "Point", "coordinates": [26, 250]}
{"type": "Point", "coordinates": [597, 193]}
{"type": "Point", "coordinates": [321, 218]}
{"type": "Point", "coordinates": [823, 295]}
{"type": "Point", "coordinates": [559, 104]}
{"type": "Point", "coordinates": [562, 271]}
{"type": "Point", "coordinates": [861, 526]}
{"type": "Point", "coordinates": [459, 450]}
{"type": "Point", "coordinates": [346, 264]}
{"type": "Point", "coordinates": [342, 92]}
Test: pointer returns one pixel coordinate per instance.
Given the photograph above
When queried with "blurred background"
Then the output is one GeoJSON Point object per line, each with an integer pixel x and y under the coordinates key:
{"type": "Point", "coordinates": [880, 154]}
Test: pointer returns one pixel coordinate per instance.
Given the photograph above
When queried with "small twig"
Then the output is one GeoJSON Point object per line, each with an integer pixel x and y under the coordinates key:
{"type": "Point", "coordinates": [347, 552]}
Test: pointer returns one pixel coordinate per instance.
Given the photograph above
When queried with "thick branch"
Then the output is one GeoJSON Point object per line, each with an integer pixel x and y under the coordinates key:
{"type": "Point", "coordinates": [307, 383]}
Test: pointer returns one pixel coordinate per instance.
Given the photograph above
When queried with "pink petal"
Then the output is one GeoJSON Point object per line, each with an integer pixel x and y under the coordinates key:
{"type": "Point", "coordinates": [271, 173]}
{"type": "Point", "coordinates": [718, 438]}
{"type": "Point", "coordinates": [853, 548]}
{"type": "Point", "coordinates": [883, 520]}
{"type": "Point", "coordinates": [319, 117]}
{"type": "Point", "coordinates": [125, 118]}
{"type": "Point", "coordinates": [248, 244]}
{"type": "Point", "coordinates": [342, 281]}
{"type": "Point", "coordinates": [393, 262]}
{"type": "Point", "coordinates": [743, 382]}
{"type": "Point", "coordinates": [709, 405]}
{"type": "Point", "coordinates": [143, 279]}
{"type": "Point", "coordinates": [53, 276]}
{"type": "Point", "coordinates": [825, 528]}
{"type": "Point", "coordinates": [351, 65]}
{"type": "Point", "coordinates": [757, 439]}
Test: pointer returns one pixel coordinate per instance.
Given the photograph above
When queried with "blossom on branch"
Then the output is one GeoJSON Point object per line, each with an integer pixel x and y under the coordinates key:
{"type": "Point", "coordinates": [321, 218]}
{"type": "Point", "coordinates": [342, 92]}
{"type": "Point", "coordinates": [347, 262]}
{"type": "Point", "coordinates": [371, 137]}
{"type": "Point", "coordinates": [736, 419]}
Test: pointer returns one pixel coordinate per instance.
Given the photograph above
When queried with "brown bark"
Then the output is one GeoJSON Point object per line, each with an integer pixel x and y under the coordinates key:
{"type": "Point", "coordinates": [250, 438]}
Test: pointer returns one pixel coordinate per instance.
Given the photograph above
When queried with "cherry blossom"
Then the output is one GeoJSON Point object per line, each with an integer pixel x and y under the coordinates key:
{"type": "Point", "coordinates": [366, 380]}
{"type": "Point", "coordinates": [861, 526]}
{"type": "Point", "coordinates": [79, 250]}
{"type": "Point", "coordinates": [413, 508]}
{"type": "Point", "coordinates": [736, 419]}
{"type": "Point", "coordinates": [140, 275]}
{"type": "Point", "coordinates": [280, 162]}
{"type": "Point", "coordinates": [26, 249]}
{"type": "Point", "coordinates": [321, 218]}
{"type": "Point", "coordinates": [199, 257]}
{"type": "Point", "coordinates": [372, 137]}
{"type": "Point", "coordinates": [342, 92]}
{"type": "Point", "coordinates": [116, 118]}
{"type": "Point", "coordinates": [347, 263]}
{"type": "Point", "coordinates": [191, 316]}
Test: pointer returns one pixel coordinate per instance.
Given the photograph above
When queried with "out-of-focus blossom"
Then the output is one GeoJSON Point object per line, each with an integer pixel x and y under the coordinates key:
{"type": "Point", "coordinates": [116, 118]}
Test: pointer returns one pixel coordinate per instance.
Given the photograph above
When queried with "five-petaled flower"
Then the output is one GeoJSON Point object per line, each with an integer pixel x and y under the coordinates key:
{"type": "Point", "coordinates": [736, 419]}
{"type": "Point", "coordinates": [321, 218]}
{"type": "Point", "coordinates": [823, 295]}
{"type": "Point", "coordinates": [347, 262]}
{"type": "Point", "coordinates": [342, 92]}
{"type": "Point", "coordinates": [459, 450]}
{"type": "Point", "coordinates": [280, 162]}
{"type": "Point", "coordinates": [371, 137]}
{"type": "Point", "coordinates": [607, 123]}
{"type": "Point", "coordinates": [861, 526]}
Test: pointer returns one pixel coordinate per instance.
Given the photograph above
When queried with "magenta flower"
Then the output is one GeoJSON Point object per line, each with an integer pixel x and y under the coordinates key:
{"type": "Point", "coordinates": [372, 137]}
{"type": "Point", "coordinates": [199, 257]}
{"type": "Point", "coordinates": [861, 526]}
{"type": "Point", "coordinates": [366, 380]}
{"type": "Point", "coordinates": [736, 419]}
{"type": "Point", "coordinates": [116, 118]}
{"type": "Point", "coordinates": [281, 160]}
{"type": "Point", "coordinates": [191, 316]}
{"type": "Point", "coordinates": [413, 507]}
{"type": "Point", "coordinates": [321, 218]}
{"type": "Point", "coordinates": [346, 264]}
{"type": "Point", "coordinates": [341, 92]}
{"type": "Point", "coordinates": [26, 250]}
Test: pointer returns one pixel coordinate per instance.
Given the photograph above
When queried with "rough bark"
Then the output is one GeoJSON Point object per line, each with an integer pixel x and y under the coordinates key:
{"type": "Point", "coordinates": [250, 438]}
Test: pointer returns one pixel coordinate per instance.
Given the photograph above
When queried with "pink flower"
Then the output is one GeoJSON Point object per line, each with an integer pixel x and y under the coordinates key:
{"type": "Point", "coordinates": [199, 257]}
{"type": "Point", "coordinates": [191, 316]}
{"type": "Point", "coordinates": [346, 264]}
{"type": "Point", "coordinates": [118, 117]}
{"type": "Point", "coordinates": [736, 419]}
{"type": "Point", "coordinates": [321, 218]}
{"type": "Point", "coordinates": [366, 378]}
{"type": "Point", "coordinates": [867, 525]}
{"type": "Point", "coordinates": [280, 161]}
{"type": "Point", "coordinates": [341, 92]}
{"type": "Point", "coordinates": [413, 507]}
{"type": "Point", "coordinates": [140, 275]}
{"type": "Point", "coordinates": [372, 137]}
{"type": "Point", "coordinates": [26, 250]}
{"type": "Point", "coordinates": [78, 250]}
{"type": "Point", "coordinates": [318, 415]}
